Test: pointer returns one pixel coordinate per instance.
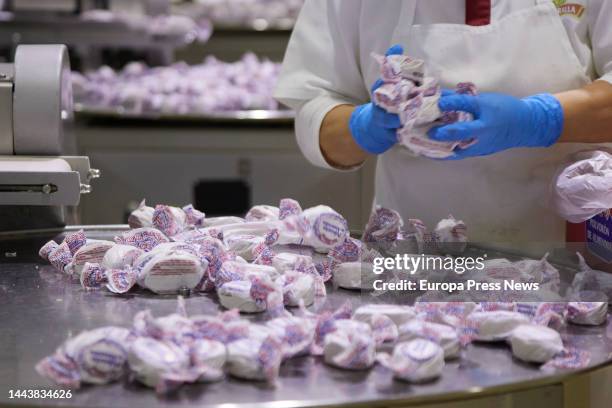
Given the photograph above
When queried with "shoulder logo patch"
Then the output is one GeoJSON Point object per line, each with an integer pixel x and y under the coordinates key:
{"type": "Point", "coordinates": [569, 9]}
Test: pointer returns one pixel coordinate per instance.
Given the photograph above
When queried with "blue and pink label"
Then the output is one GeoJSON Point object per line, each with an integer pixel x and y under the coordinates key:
{"type": "Point", "coordinates": [599, 236]}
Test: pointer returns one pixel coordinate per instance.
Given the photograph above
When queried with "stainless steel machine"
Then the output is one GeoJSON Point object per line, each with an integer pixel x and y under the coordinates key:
{"type": "Point", "coordinates": [38, 177]}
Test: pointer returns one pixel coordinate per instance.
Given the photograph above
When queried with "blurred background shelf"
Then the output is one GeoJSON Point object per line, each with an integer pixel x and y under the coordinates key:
{"type": "Point", "coordinates": [243, 117]}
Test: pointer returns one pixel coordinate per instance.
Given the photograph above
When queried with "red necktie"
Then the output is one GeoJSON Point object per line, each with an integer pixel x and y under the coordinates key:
{"type": "Point", "coordinates": [478, 12]}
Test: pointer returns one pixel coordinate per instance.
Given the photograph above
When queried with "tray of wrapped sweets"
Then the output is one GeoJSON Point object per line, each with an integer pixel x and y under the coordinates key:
{"type": "Point", "coordinates": [102, 28]}
{"type": "Point", "coordinates": [212, 90]}
{"type": "Point", "coordinates": [271, 309]}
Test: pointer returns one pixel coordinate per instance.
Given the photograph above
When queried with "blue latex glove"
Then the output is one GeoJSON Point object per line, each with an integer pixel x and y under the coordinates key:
{"type": "Point", "coordinates": [501, 122]}
{"type": "Point", "coordinates": [372, 128]}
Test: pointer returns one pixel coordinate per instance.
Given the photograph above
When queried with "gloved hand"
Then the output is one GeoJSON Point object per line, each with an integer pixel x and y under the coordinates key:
{"type": "Point", "coordinates": [372, 128]}
{"type": "Point", "coordinates": [501, 122]}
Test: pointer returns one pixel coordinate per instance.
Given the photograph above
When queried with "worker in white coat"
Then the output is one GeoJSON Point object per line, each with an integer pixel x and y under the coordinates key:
{"type": "Point", "coordinates": [543, 69]}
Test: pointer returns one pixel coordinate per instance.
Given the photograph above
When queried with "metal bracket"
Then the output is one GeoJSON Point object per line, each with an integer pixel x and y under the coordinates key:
{"type": "Point", "coordinates": [46, 188]}
{"type": "Point", "coordinates": [81, 165]}
{"type": "Point", "coordinates": [19, 186]}
{"type": "Point", "coordinates": [6, 109]}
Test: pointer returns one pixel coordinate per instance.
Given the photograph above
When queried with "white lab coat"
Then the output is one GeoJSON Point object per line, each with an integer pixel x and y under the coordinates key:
{"type": "Point", "coordinates": [529, 48]}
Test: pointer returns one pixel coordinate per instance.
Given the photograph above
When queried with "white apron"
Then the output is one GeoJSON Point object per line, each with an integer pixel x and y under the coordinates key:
{"type": "Point", "coordinates": [502, 198]}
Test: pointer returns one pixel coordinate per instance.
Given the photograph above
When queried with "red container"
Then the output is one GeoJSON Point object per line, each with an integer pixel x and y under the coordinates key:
{"type": "Point", "coordinates": [594, 240]}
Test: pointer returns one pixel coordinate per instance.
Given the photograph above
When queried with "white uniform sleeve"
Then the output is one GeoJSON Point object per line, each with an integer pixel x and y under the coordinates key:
{"type": "Point", "coordinates": [321, 69]}
{"type": "Point", "coordinates": [600, 29]}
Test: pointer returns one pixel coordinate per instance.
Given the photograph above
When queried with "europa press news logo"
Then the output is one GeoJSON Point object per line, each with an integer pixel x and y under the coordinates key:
{"type": "Point", "coordinates": [569, 9]}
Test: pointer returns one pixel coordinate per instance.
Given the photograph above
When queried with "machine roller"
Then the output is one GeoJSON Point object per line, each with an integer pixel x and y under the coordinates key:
{"type": "Point", "coordinates": [35, 134]}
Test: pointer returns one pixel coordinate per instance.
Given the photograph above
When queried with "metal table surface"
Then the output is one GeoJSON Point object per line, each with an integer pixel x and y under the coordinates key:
{"type": "Point", "coordinates": [40, 308]}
